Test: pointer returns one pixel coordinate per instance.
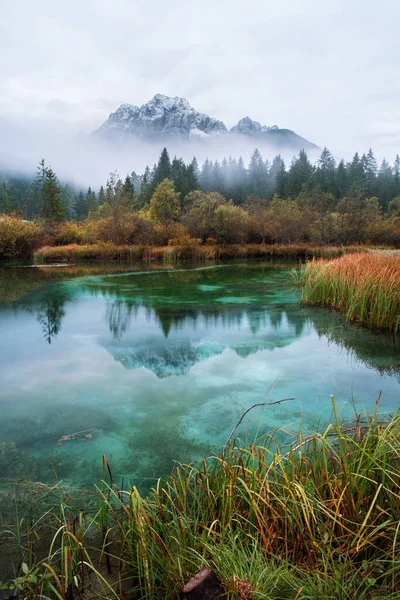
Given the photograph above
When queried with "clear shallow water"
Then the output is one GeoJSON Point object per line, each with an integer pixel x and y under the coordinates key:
{"type": "Point", "coordinates": [154, 366]}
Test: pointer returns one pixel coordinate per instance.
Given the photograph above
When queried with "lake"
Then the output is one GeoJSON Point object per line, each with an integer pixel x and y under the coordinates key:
{"type": "Point", "coordinates": [151, 365]}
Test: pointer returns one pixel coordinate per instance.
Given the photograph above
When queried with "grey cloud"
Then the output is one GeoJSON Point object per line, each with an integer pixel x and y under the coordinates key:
{"type": "Point", "coordinates": [329, 71]}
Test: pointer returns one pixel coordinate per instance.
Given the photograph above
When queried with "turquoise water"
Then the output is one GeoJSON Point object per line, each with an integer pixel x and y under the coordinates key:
{"type": "Point", "coordinates": [156, 366]}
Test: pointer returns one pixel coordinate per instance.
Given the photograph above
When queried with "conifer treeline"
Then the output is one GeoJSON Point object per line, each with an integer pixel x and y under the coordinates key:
{"type": "Point", "coordinates": [328, 180]}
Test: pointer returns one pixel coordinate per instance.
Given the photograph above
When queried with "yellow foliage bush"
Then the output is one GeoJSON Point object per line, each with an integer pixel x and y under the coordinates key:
{"type": "Point", "coordinates": [18, 238]}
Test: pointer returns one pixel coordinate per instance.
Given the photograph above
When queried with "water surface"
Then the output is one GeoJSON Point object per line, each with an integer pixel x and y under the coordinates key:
{"type": "Point", "coordinates": [157, 365]}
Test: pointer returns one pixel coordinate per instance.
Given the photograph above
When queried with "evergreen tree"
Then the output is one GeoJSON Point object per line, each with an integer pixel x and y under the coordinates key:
{"type": "Point", "coordinates": [384, 185]}
{"type": "Point", "coordinates": [128, 193]}
{"type": "Point", "coordinates": [281, 180]}
{"type": "Point", "coordinates": [300, 173]}
{"type": "Point", "coordinates": [102, 196]}
{"type": "Point", "coordinates": [276, 169]}
{"type": "Point", "coordinates": [7, 202]}
{"type": "Point", "coordinates": [370, 171]}
{"type": "Point", "coordinates": [163, 170]}
{"type": "Point", "coordinates": [257, 175]}
{"type": "Point", "coordinates": [216, 178]}
{"type": "Point", "coordinates": [92, 204]}
{"type": "Point", "coordinates": [396, 177]}
{"type": "Point", "coordinates": [325, 174]}
{"type": "Point", "coordinates": [53, 208]}
{"type": "Point", "coordinates": [206, 175]}
{"type": "Point", "coordinates": [341, 180]}
{"type": "Point", "coordinates": [81, 206]}
{"type": "Point", "coordinates": [357, 177]}
{"type": "Point", "coordinates": [145, 189]}
{"type": "Point", "coordinates": [240, 185]}
{"type": "Point", "coordinates": [195, 168]}
{"type": "Point", "coordinates": [68, 198]}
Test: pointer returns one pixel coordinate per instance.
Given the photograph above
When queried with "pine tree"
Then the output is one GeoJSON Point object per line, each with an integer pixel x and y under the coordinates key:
{"type": "Point", "coordinates": [356, 177]}
{"type": "Point", "coordinates": [102, 196]}
{"type": "Point", "coordinates": [300, 174]}
{"type": "Point", "coordinates": [81, 206]}
{"type": "Point", "coordinates": [53, 208]}
{"type": "Point", "coordinates": [68, 198]}
{"type": "Point", "coordinates": [145, 189]}
{"type": "Point", "coordinates": [163, 169]}
{"type": "Point", "coordinates": [326, 172]}
{"type": "Point", "coordinates": [341, 180]}
{"type": "Point", "coordinates": [384, 185]}
{"type": "Point", "coordinates": [92, 204]}
{"type": "Point", "coordinates": [128, 193]}
{"type": "Point", "coordinates": [281, 181]}
{"type": "Point", "coordinates": [275, 170]}
{"type": "Point", "coordinates": [370, 171]}
{"type": "Point", "coordinates": [396, 177]}
{"type": "Point", "coordinates": [206, 175]}
{"type": "Point", "coordinates": [258, 175]}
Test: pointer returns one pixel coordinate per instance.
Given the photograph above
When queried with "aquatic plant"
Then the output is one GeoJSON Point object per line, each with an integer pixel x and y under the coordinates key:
{"type": "Point", "coordinates": [364, 287]}
{"type": "Point", "coordinates": [316, 518]}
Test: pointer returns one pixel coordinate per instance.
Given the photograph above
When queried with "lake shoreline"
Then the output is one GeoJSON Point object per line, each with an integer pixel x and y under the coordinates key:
{"type": "Point", "coordinates": [113, 252]}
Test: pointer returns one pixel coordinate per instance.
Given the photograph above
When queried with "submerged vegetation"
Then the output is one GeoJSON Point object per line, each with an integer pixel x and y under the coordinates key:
{"type": "Point", "coordinates": [364, 287]}
{"type": "Point", "coordinates": [317, 517]}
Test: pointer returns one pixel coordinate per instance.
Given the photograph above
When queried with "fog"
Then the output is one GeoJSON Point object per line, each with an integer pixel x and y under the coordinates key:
{"type": "Point", "coordinates": [327, 70]}
{"type": "Point", "coordinates": [85, 159]}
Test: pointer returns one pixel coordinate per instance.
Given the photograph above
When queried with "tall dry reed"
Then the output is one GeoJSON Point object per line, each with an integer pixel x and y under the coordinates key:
{"type": "Point", "coordinates": [364, 287]}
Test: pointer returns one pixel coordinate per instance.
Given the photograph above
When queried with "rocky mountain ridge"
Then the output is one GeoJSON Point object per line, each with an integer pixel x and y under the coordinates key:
{"type": "Point", "coordinates": [166, 117]}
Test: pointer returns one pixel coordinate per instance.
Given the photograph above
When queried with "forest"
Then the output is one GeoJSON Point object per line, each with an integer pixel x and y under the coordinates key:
{"type": "Point", "coordinates": [177, 203]}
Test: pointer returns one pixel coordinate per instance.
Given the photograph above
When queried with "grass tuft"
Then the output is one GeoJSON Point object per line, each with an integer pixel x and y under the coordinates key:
{"type": "Point", "coordinates": [364, 287]}
{"type": "Point", "coordinates": [316, 519]}
{"type": "Point", "coordinates": [185, 251]}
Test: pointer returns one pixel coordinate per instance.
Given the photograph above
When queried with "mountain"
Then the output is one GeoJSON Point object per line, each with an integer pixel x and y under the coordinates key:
{"type": "Point", "coordinates": [164, 117]}
{"type": "Point", "coordinates": [273, 135]}
{"type": "Point", "coordinates": [161, 117]}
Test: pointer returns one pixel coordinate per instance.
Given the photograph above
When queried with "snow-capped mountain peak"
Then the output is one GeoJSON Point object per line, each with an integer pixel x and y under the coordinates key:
{"type": "Point", "coordinates": [166, 117]}
{"type": "Point", "coordinates": [162, 116]}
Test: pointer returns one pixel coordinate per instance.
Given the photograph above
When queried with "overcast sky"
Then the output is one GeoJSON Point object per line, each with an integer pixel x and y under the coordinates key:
{"type": "Point", "coordinates": [329, 70]}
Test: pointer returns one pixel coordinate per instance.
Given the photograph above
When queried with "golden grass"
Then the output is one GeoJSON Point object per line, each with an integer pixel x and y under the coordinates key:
{"type": "Point", "coordinates": [364, 287]}
{"type": "Point", "coordinates": [110, 251]}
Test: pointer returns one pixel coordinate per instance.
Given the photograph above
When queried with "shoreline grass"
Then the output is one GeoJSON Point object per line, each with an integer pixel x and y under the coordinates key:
{"type": "Point", "coordinates": [316, 519]}
{"type": "Point", "coordinates": [364, 287]}
{"type": "Point", "coordinates": [113, 252]}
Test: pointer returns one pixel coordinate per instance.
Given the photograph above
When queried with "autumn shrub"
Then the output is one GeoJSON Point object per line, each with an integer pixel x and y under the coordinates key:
{"type": "Point", "coordinates": [210, 241]}
{"type": "Point", "coordinates": [163, 233]}
{"type": "Point", "coordinates": [184, 247]}
{"type": "Point", "coordinates": [18, 238]}
{"type": "Point", "coordinates": [124, 228]}
{"type": "Point", "coordinates": [69, 233]}
{"type": "Point", "coordinates": [384, 232]}
{"type": "Point", "coordinates": [231, 224]}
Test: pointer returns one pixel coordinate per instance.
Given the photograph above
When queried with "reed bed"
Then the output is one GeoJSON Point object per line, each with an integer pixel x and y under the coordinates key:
{"type": "Point", "coordinates": [364, 287]}
{"type": "Point", "coordinates": [316, 518]}
{"type": "Point", "coordinates": [110, 252]}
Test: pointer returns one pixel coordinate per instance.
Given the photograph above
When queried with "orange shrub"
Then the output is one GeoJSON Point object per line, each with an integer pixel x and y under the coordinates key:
{"type": "Point", "coordinates": [18, 238]}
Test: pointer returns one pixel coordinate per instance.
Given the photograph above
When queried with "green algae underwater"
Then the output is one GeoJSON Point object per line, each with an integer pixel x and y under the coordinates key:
{"type": "Point", "coordinates": [153, 366]}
